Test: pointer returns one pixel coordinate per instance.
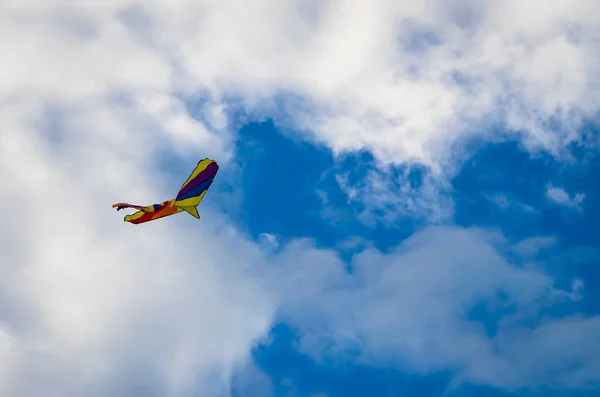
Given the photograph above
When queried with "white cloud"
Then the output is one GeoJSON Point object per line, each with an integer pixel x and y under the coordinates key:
{"type": "Point", "coordinates": [91, 304]}
{"type": "Point", "coordinates": [561, 197]}
{"type": "Point", "coordinates": [269, 240]}
{"type": "Point", "coordinates": [409, 81]}
{"type": "Point", "coordinates": [413, 309]}
{"type": "Point", "coordinates": [531, 247]}
{"type": "Point", "coordinates": [353, 244]}
{"type": "Point", "coordinates": [505, 203]}
{"type": "Point", "coordinates": [576, 290]}
{"type": "Point", "coordinates": [251, 381]}
{"type": "Point", "coordinates": [386, 196]}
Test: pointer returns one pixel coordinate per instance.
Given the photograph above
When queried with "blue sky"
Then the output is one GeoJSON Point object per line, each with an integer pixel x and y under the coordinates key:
{"type": "Point", "coordinates": [302, 197]}
{"type": "Point", "coordinates": [501, 187]}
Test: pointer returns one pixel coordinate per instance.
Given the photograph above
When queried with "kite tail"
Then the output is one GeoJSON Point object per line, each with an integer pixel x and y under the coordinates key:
{"type": "Point", "coordinates": [120, 206]}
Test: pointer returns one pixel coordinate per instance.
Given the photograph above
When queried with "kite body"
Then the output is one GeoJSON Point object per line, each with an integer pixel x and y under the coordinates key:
{"type": "Point", "coordinates": [190, 195]}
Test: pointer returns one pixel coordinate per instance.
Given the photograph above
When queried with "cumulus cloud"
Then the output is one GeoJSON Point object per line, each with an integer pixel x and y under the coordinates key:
{"type": "Point", "coordinates": [408, 82]}
{"type": "Point", "coordinates": [93, 306]}
{"type": "Point", "coordinates": [445, 299]}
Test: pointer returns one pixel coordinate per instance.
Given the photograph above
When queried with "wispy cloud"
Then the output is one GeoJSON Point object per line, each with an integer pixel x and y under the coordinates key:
{"type": "Point", "coordinates": [269, 240]}
{"type": "Point", "coordinates": [561, 197]}
{"type": "Point", "coordinates": [384, 196]}
{"type": "Point", "coordinates": [505, 203]}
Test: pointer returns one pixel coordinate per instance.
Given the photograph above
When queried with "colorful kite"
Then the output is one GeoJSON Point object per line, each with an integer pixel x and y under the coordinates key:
{"type": "Point", "coordinates": [188, 198]}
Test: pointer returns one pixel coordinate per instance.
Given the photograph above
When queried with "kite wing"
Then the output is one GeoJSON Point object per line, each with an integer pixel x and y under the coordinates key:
{"type": "Point", "coordinates": [193, 190]}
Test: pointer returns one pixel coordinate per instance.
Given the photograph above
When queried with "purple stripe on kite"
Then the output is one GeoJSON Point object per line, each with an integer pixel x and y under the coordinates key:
{"type": "Point", "coordinates": [197, 191]}
{"type": "Point", "coordinates": [210, 171]}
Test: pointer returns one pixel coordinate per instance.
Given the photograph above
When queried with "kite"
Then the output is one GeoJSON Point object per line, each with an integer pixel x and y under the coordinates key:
{"type": "Point", "coordinates": [188, 198]}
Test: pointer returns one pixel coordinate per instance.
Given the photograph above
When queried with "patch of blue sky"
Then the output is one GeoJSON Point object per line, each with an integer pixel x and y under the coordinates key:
{"type": "Point", "coordinates": [290, 190]}
{"type": "Point", "coordinates": [504, 187]}
{"type": "Point", "coordinates": [278, 180]}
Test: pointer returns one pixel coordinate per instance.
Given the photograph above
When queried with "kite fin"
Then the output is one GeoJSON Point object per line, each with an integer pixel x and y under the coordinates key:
{"type": "Point", "coordinates": [193, 211]}
{"type": "Point", "coordinates": [193, 190]}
